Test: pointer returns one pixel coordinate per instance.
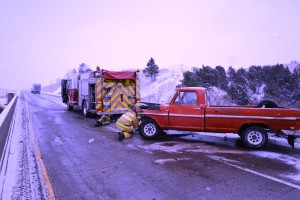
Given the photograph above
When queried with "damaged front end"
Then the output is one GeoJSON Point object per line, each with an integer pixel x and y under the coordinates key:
{"type": "Point", "coordinates": [149, 106]}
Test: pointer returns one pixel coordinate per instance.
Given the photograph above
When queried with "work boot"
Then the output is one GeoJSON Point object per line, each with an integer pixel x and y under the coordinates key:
{"type": "Point", "coordinates": [131, 133]}
{"type": "Point", "coordinates": [121, 136]}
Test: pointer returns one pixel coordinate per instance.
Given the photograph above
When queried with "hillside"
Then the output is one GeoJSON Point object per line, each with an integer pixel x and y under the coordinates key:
{"type": "Point", "coordinates": [166, 82]}
{"type": "Point", "coordinates": [164, 85]}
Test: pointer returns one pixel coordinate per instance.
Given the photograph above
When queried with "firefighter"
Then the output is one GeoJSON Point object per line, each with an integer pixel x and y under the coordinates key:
{"type": "Point", "coordinates": [125, 122]}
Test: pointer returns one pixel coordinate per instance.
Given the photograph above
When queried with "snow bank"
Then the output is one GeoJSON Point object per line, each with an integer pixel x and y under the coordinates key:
{"type": "Point", "coordinates": [9, 159]}
{"type": "Point", "coordinates": [8, 153]}
{"type": "Point", "coordinates": [164, 86]}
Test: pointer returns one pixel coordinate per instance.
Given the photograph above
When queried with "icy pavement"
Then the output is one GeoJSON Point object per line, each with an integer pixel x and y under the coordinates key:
{"type": "Point", "coordinates": [291, 160]}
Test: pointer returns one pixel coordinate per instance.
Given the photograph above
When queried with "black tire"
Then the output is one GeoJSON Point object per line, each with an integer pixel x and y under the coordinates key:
{"type": "Point", "coordinates": [267, 104]}
{"type": "Point", "coordinates": [65, 98]}
{"type": "Point", "coordinates": [149, 129]}
{"type": "Point", "coordinates": [85, 112]}
{"type": "Point", "coordinates": [70, 108]}
{"type": "Point", "coordinates": [254, 137]}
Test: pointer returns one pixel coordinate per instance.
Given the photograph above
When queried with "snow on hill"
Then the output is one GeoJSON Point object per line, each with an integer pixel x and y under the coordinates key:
{"type": "Point", "coordinates": [165, 84]}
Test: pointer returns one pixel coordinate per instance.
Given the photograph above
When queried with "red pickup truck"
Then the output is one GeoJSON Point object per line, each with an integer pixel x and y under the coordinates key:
{"type": "Point", "coordinates": [189, 110]}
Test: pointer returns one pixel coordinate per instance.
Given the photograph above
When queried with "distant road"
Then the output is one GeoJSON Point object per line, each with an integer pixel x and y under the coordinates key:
{"type": "Point", "coordinates": [85, 162]}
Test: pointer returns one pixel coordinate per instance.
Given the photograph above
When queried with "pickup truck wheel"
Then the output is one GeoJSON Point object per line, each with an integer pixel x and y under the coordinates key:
{"type": "Point", "coordinates": [254, 137]}
{"type": "Point", "coordinates": [149, 129]}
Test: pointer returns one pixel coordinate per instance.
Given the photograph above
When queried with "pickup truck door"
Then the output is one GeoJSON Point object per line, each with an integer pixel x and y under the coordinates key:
{"type": "Point", "coordinates": [185, 112]}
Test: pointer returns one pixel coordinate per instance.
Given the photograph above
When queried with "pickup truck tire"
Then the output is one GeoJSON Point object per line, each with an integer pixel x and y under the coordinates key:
{"type": "Point", "coordinates": [267, 104]}
{"type": "Point", "coordinates": [149, 129]}
{"type": "Point", "coordinates": [254, 137]}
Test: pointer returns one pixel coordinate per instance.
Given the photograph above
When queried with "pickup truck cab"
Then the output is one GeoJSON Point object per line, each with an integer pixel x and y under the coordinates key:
{"type": "Point", "coordinates": [189, 110]}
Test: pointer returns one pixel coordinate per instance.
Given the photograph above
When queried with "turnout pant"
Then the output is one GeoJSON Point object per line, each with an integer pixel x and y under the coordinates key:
{"type": "Point", "coordinates": [127, 131]}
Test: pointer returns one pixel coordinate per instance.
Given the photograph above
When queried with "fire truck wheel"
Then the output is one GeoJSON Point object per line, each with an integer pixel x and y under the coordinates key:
{"type": "Point", "coordinates": [69, 107]}
{"type": "Point", "coordinates": [254, 137]}
{"type": "Point", "coordinates": [149, 129]}
{"type": "Point", "coordinates": [84, 110]}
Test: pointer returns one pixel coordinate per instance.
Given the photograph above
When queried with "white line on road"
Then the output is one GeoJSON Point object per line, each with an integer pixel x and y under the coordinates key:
{"type": "Point", "coordinates": [257, 173]}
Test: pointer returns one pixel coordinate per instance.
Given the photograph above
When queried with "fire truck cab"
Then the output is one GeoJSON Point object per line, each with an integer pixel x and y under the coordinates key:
{"type": "Point", "coordinates": [101, 92]}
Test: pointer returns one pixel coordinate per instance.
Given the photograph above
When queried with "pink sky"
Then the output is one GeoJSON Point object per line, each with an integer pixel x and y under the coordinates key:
{"type": "Point", "coordinates": [42, 40]}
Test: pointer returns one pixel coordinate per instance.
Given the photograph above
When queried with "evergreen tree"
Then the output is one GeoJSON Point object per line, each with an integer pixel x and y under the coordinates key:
{"type": "Point", "coordinates": [222, 82]}
{"type": "Point", "coordinates": [230, 73]}
{"type": "Point", "coordinates": [278, 84]}
{"type": "Point", "coordinates": [188, 79]}
{"type": "Point", "coordinates": [205, 77]}
{"type": "Point", "coordinates": [238, 90]}
{"type": "Point", "coordinates": [209, 76]}
{"type": "Point", "coordinates": [295, 97]}
{"type": "Point", "coordinates": [255, 78]}
{"type": "Point", "coordinates": [277, 81]}
{"type": "Point", "coordinates": [151, 70]}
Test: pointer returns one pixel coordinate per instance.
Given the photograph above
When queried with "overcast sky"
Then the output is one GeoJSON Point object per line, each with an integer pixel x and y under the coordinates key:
{"type": "Point", "coordinates": [42, 40]}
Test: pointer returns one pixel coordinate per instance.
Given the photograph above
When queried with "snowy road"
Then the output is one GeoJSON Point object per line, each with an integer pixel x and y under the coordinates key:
{"type": "Point", "coordinates": [63, 156]}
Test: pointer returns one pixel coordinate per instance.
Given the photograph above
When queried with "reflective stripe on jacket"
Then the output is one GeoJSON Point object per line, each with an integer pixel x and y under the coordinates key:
{"type": "Point", "coordinates": [129, 119]}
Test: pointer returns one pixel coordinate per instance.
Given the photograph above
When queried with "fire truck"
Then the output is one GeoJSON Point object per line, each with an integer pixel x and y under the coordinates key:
{"type": "Point", "coordinates": [101, 92]}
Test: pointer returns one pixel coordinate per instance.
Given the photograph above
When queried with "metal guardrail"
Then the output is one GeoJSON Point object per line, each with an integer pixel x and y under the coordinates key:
{"type": "Point", "coordinates": [5, 122]}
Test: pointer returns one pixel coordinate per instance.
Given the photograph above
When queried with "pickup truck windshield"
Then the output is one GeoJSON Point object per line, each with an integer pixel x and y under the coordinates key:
{"type": "Point", "coordinates": [170, 97]}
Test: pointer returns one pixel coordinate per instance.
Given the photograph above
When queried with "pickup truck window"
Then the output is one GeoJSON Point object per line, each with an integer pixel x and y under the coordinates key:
{"type": "Point", "coordinates": [188, 98]}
